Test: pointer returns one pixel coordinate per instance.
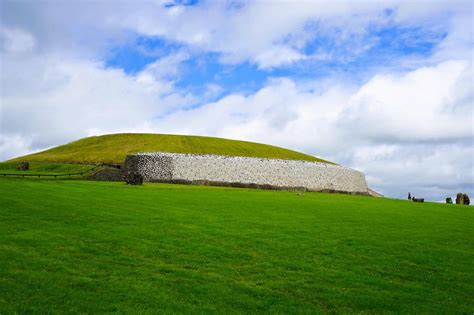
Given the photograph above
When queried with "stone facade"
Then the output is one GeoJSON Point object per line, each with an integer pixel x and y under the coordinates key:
{"type": "Point", "coordinates": [245, 172]}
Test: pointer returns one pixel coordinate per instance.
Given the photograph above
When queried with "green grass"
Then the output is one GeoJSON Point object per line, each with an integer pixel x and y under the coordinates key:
{"type": "Point", "coordinates": [115, 147]}
{"type": "Point", "coordinates": [44, 168]}
{"type": "Point", "coordinates": [95, 247]}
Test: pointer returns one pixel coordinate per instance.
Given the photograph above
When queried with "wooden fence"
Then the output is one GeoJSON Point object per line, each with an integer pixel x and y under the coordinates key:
{"type": "Point", "coordinates": [48, 175]}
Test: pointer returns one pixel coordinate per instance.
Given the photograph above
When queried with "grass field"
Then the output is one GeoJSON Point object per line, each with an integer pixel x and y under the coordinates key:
{"type": "Point", "coordinates": [90, 247]}
{"type": "Point", "coordinates": [114, 148]}
{"type": "Point", "coordinates": [44, 168]}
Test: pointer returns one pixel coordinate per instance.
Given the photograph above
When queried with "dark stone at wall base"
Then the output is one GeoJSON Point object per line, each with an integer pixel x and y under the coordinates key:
{"type": "Point", "coordinates": [24, 166]}
{"type": "Point", "coordinates": [133, 178]}
{"type": "Point", "coordinates": [107, 174]}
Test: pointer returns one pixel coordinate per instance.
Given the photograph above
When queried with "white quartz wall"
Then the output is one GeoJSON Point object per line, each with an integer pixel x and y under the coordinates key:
{"type": "Point", "coordinates": [231, 169]}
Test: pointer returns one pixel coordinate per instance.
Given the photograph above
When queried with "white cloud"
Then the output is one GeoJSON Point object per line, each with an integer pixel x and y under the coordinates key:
{"type": "Point", "coordinates": [264, 34]}
{"type": "Point", "coordinates": [50, 101]}
{"type": "Point", "coordinates": [428, 104]}
{"type": "Point", "coordinates": [14, 144]}
{"type": "Point", "coordinates": [16, 41]}
{"type": "Point", "coordinates": [278, 56]}
{"type": "Point", "coordinates": [167, 67]}
{"type": "Point", "coordinates": [254, 32]}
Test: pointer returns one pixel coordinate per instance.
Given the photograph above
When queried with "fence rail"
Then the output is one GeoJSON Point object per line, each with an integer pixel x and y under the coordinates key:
{"type": "Point", "coordinates": [47, 175]}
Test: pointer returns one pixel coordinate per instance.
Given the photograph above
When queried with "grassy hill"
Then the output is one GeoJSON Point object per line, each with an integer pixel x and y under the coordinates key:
{"type": "Point", "coordinates": [100, 247]}
{"type": "Point", "coordinates": [113, 148]}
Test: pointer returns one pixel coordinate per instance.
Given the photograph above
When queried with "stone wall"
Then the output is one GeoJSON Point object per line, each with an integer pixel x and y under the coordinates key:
{"type": "Point", "coordinates": [107, 174]}
{"type": "Point", "coordinates": [246, 172]}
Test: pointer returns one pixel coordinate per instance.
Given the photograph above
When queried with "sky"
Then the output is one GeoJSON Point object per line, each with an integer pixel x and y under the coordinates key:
{"type": "Point", "coordinates": [384, 87]}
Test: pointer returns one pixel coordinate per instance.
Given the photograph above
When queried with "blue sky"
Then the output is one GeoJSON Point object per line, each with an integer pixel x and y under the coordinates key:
{"type": "Point", "coordinates": [386, 45]}
{"type": "Point", "coordinates": [384, 87]}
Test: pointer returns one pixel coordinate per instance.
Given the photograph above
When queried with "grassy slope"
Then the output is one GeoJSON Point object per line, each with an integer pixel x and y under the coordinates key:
{"type": "Point", "coordinates": [44, 168]}
{"type": "Point", "coordinates": [77, 246]}
{"type": "Point", "coordinates": [113, 148]}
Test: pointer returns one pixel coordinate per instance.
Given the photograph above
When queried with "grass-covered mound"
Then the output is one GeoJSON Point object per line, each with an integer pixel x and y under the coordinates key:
{"type": "Point", "coordinates": [114, 148]}
{"type": "Point", "coordinates": [101, 247]}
